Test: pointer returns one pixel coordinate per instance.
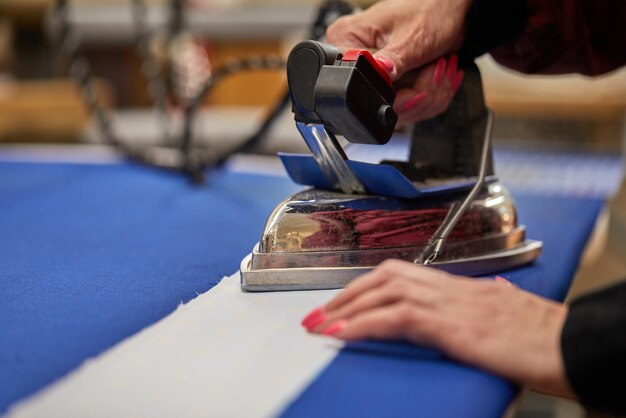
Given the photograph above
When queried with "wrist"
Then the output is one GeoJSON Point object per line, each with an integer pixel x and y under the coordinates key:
{"type": "Point", "coordinates": [552, 377]}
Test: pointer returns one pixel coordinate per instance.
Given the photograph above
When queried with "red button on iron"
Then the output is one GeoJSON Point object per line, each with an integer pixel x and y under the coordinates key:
{"type": "Point", "coordinates": [354, 54]}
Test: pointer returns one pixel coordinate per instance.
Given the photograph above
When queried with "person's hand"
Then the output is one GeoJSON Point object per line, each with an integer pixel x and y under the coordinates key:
{"type": "Point", "coordinates": [410, 34]}
{"type": "Point", "coordinates": [431, 92]}
{"type": "Point", "coordinates": [482, 322]}
{"type": "Point", "coordinates": [407, 33]}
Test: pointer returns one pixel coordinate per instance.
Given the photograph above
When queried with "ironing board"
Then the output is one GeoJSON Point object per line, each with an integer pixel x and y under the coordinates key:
{"type": "Point", "coordinates": [91, 254]}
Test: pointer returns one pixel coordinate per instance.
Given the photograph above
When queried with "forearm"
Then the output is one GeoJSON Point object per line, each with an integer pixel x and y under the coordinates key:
{"type": "Point", "coordinates": [593, 344]}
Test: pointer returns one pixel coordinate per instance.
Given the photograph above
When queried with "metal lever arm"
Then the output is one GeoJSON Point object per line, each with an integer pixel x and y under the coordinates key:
{"type": "Point", "coordinates": [437, 241]}
{"type": "Point", "coordinates": [330, 158]}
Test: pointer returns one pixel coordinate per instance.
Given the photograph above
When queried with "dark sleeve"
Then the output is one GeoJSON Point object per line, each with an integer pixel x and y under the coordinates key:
{"type": "Point", "coordinates": [593, 344]}
{"type": "Point", "coordinates": [568, 36]}
{"type": "Point", "coordinates": [489, 24]}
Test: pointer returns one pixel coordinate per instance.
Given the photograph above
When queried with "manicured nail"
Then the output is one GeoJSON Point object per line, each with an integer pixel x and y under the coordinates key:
{"type": "Point", "coordinates": [458, 79]}
{"type": "Point", "coordinates": [453, 64]}
{"type": "Point", "coordinates": [316, 323]}
{"type": "Point", "coordinates": [334, 328]}
{"type": "Point", "coordinates": [503, 280]}
{"type": "Point", "coordinates": [414, 101]}
{"type": "Point", "coordinates": [312, 319]}
{"type": "Point", "coordinates": [440, 69]}
{"type": "Point", "coordinates": [385, 63]}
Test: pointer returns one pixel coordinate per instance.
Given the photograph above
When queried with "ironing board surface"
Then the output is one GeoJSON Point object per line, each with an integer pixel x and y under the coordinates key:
{"type": "Point", "coordinates": [397, 378]}
{"type": "Point", "coordinates": [92, 254]}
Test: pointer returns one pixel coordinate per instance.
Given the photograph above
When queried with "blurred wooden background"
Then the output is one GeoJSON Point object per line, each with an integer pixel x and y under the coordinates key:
{"type": "Point", "coordinates": [37, 104]}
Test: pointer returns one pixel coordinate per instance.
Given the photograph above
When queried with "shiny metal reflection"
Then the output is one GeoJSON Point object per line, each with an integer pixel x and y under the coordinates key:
{"type": "Point", "coordinates": [319, 239]}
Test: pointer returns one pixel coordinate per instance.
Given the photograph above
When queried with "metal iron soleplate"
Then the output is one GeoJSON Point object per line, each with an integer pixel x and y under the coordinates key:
{"type": "Point", "coordinates": [337, 277]}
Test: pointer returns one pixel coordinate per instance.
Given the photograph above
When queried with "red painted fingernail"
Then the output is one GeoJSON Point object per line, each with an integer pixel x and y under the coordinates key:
{"type": "Point", "coordinates": [440, 69]}
{"type": "Point", "coordinates": [385, 63]}
{"type": "Point", "coordinates": [414, 101]}
{"type": "Point", "coordinates": [503, 280]}
{"type": "Point", "coordinates": [313, 317]}
{"type": "Point", "coordinates": [453, 64]}
{"type": "Point", "coordinates": [315, 323]}
{"type": "Point", "coordinates": [334, 328]}
{"type": "Point", "coordinates": [458, 79]}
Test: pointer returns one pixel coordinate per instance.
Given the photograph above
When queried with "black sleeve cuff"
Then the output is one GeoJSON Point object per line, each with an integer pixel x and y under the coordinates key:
{"type": "Point", "coordinates": [489, 24]}
{"type": "Point", "coordinates": [593, 344]}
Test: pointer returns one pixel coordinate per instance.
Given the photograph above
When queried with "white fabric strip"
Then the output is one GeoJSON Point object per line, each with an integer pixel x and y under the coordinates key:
{"type": "Point", "coordinates": [224, 354]}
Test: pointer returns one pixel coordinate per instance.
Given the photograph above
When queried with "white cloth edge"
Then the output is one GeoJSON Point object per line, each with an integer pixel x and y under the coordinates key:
{"type": "Point", "coordinates": [226, 353]}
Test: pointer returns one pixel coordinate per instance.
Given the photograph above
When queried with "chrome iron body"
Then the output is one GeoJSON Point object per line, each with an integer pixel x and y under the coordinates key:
{"type": "Point", "coordinates": [322, 239]}
{"type": "Point", "coordinates": [318, 239]}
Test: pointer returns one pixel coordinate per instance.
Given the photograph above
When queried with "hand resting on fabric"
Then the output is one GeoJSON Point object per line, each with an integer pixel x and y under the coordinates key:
{"type": "Point", "coordinates": [481, 322]}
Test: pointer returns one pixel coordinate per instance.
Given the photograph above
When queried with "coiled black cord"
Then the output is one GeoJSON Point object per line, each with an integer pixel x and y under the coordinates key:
{"type": "Point", "coordinates": [188, 159]}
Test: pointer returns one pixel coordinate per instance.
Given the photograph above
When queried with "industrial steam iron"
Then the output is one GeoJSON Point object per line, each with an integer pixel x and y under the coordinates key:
{"type": "Point", "coordinates": [443, 207]}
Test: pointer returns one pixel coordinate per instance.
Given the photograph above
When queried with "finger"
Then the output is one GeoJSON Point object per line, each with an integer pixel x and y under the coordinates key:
{"type": "Point", "coordinates": [406, 53]}
{"type": "Point", "coordinates": [502, 280]}
{"type": "Point", "coordinates": [440, 70]}
{"type": "Point", "coordinates": [413, 102]}
{"type": "Point", "coordinates": [422, 88]}
{"type": "Point", "coordinates": [436, 108]}
{"type": "Point", "coordinates": [402, 97]}
{"type": "Point", "coordinates": [443, 89]}
{"type": "Point", "coordinates": [372, 279]}
{"type": "Point", "coordinates": [421, 111]}
{"type": "Point", "coordinates": [453, 68]}
{"type": "Point", "coordinates": [458, 80]}
{"type": "Point", "coordinates": [382, 274]}
{"type": "Point", "coordinates": [398, 321]}
{"type": "Point", "coordinates": [440, 95]}
{"type": "Point", "coordinates": [345, 32]}
{"type": "Point", "coordinates": [399, 289]}
{"type": "Point", "coordinates": [440, 103]}
{"type": "Point", "coordinates": [396, 289]}
{"type": "Point", "coordinates": [381, 323]}
{"type": "Point", "coordinates": [415, 115]}
{"type": "Point", "coordinates": [365, 29]}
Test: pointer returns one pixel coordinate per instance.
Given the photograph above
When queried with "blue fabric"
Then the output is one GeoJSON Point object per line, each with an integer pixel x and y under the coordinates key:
{"type": "Point", "coordinates": [416, 383]}
{"type": "Point", "coordinates": [89, 255]}
{"type": "Point", "coordinates": [374, 379]}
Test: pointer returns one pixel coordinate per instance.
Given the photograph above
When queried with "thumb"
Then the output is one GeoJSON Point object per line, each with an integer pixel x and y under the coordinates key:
{"type": "Point", "coordinates": [393, 63]}
{"type": "Point", "coordinates": [348, 32]}
{"type": "Point", "coordinates": [404, 54]}
{"type": "Point", "coordinates": [399, 61]}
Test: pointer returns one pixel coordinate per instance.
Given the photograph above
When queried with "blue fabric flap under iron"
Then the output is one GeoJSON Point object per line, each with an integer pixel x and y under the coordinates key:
{"type": "Point", "coordinates": [379, 179]}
